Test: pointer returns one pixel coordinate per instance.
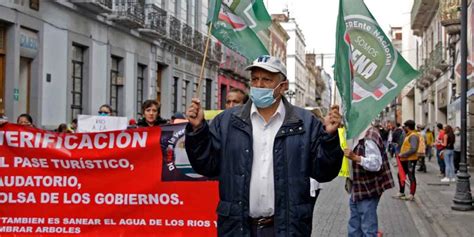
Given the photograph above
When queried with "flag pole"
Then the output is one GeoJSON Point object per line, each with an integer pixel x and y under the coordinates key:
{"type": "Point", "coordinates": [198, 89]}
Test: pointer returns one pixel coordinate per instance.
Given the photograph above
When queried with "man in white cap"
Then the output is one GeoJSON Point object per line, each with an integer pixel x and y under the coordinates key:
{"type": "Point", "coordinates": [263, 153]}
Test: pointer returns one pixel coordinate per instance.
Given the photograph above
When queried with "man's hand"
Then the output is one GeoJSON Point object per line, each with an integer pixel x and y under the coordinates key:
{"type": "Point", "coordinates": [351, 155]}
{"type": "Point", "coordinates": [332, 121]}
{"type": "Point", "coordinates": [195, 114]}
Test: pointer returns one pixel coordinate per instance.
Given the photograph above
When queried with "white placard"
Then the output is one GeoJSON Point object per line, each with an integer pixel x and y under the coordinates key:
{"type": "Point", "coordinates": [93, 123]}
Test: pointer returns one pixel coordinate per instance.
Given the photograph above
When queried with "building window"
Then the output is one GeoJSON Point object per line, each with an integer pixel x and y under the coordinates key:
{"type": "Point", "coordinates": [223, 95]}
{"type": "Point", "coordinates": [77, 80]}
{"type": "Point", "coordinates": [190, 11]}
{"type": "Point", "coordinates": [115, 84]}
{"type": "Point", "coordinates": [177, 8]}
{"type": "Point", "coordinates": [175, 94]}
{"type": "Point", "coordinates": [140, 88]}
{"type": "Point", "coordinates": [161, 4]}
{"type": "Point", "coordinates": [2, 69]}
{"type": "Point", "coordinates": [398, 36]}
{"type": "Point", "coordinates": [185, 94]}
{"type": "Point", "coordinates": [35, 4]}
{"type": "Point", "coordinates": [208, 94]}
{"type": "Point", "coordinates": [197, 15]}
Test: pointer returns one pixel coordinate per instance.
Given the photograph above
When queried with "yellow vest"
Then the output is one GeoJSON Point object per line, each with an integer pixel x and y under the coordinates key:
{"type": "Point", "coordinates": [429, 138]}
{"type": "Point", "coordinates": [406, 146]}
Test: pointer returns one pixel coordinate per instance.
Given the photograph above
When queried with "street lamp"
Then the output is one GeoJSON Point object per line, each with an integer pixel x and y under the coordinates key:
{"type": "Point", "coordinates": [463, 198]}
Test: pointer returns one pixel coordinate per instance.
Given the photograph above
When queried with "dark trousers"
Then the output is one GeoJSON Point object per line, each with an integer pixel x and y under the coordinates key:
{"type": "Point", "coordinates": [457, 160]}
{"type": "Point", "coordinates": [268, 231]}
{"type": "Point", "coordinates": [422, 164]}
{"type": "Point", "coordinates": [409, 168]}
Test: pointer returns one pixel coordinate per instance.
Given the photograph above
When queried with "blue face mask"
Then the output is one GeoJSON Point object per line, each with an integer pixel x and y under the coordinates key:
{"type": "Point", "coordinates": [262, 97]}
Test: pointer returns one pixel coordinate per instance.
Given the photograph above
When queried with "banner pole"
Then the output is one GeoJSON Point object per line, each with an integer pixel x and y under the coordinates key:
{"type": "Point", "coordinates": [198, 89]}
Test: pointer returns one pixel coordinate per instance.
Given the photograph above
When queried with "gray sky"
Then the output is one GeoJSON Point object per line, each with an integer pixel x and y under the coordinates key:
{"type": "Point", "coordinates": [317, 18]}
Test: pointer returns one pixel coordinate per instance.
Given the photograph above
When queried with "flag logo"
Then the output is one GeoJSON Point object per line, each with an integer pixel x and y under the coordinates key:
{"type": "Point", "coordinates": [235, 23]}
{"type": "Point", "coordinates": [372, 58]}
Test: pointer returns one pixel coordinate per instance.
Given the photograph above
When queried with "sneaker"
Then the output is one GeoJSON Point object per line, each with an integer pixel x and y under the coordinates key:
{"type": "Point", "coordinates": [453, 180]}
{"type": "Point", "coordinates": [445, 180]}
{"type": "Point", "coordinates": [399, 196]}
{"type": "Point", "coordinates": [408, 198]}
{"type": "Point", "coordinates": [441, 175]}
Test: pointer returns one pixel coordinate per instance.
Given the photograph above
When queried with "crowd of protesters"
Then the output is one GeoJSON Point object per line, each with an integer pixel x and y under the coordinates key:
{"type": "Point", "coordinates": [408, 145]}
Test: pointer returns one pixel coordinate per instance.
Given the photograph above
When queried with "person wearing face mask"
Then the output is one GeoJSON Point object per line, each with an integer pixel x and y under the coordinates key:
{"type": "Point", "coordinates": [263, 154]}
{"type": "Point", "coordinates": [105, 110]}
{"type": "Point", "coordinates": [151, 114]}
{"type": "Point", "coordinates": [408, 158]}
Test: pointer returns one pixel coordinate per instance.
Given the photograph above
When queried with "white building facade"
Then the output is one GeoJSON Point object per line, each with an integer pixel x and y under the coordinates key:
{"type": "Point", "coordinates": [295, 63]}
{"type": "Point", "coordinates": [64, 58]}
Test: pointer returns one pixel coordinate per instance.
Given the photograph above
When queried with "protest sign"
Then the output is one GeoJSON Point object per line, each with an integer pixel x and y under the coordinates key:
{"type": "Point", "coordinates": [101, 184]}
{"type": "Point", "coordinates": [93, 123]}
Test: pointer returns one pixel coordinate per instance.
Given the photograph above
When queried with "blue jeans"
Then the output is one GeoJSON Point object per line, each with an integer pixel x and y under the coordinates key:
{"type": "Point", "coordinates": [449, 162]}
{"type": "Point", "coordinates": [442, 167]}
{"type": "Point", "coordinates": [363, 220]}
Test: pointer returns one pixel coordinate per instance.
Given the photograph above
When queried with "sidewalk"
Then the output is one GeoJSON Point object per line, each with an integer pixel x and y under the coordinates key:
{"type": "Point", "coordinates": [431, 209]}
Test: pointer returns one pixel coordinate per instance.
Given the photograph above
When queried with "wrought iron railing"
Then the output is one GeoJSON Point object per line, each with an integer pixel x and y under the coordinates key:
{"type": "Point", "coordinates": [156, 18]}
{"type": "Point", "coordinates": [131, 9]}
{"type": "Point", "coordinates": [175, 29]}
{"type": "Point", "coordinates": [187, 35]}
{"type": "Point", "coordinates": [198, 41]}
{"type": "Point", "coordinates": [106, 3]}
{"type": "Point", "coordinates": [217, 52]}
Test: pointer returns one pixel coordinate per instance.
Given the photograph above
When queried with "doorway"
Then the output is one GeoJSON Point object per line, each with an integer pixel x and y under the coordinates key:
{"type": "Point", "coordinates": [22, 93]}
{"type": "Point", "coordinates": [159, 73]}
{"type": "Point", "coordinates": [2, 69]}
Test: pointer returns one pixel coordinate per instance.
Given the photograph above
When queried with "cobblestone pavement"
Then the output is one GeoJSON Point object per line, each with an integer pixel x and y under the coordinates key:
{"type": "Point", "coordinates": [332, 213]}
{"type": "Point", "coordinates": [429, 215]}
{"type": "Point", "coordinates": [436, 198]}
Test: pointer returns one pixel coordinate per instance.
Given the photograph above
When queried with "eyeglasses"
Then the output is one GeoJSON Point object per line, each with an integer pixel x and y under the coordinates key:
{"type": "Point", "coordinates": [103, 113]}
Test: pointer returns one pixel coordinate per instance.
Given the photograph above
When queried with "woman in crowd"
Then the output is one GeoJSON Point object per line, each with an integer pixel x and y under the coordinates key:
{"type": "Point", "coordinates": [62, 128]}
{"type": "Point", "coordinates": [25, 120]}
{"type": "Point", "coordinates": [151, 114]}
{"type": "Point", "coordinates": [448, 143]}
{"type": "Point", "coordinates": [105, 110]}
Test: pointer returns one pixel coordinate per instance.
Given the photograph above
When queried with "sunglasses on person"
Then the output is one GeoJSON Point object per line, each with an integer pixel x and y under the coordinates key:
{"type": "Point", "coordinates": [103, 113]}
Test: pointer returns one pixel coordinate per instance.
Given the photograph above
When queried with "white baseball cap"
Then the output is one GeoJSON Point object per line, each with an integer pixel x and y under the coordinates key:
{"type": "Point", "coordinates": [269, 63]}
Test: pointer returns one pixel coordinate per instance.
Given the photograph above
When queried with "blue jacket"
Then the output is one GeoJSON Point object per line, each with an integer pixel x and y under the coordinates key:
{"type": "Point", "coordinates": [302, 149]}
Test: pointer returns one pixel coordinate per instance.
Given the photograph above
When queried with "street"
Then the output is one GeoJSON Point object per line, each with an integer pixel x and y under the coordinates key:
{"type": "Point", "coordinates": [429, 215]}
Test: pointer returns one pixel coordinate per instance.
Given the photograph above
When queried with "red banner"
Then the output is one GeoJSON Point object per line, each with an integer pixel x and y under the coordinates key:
{"type": "Point", "coordinates": [102, 184]}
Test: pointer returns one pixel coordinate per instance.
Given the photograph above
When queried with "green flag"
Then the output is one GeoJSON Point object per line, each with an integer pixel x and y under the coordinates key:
{"type": "Point", "coordinates": [369, 72]}
{"type": "Point", "coordinates": [213, 11]}
{"type": "Point", "coordinates": [236, 23]}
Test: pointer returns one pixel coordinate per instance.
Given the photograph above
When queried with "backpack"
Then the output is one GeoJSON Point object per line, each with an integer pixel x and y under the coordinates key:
{"type": "Point", "coordinates": [421, 146]}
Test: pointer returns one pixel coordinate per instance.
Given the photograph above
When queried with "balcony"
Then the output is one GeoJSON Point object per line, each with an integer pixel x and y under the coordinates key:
{"type": "Point", "coordinates": [439, 57]}
{"type": "Point", "coordinates": [422, 13]}
{"type": "Point", "coordinates": [130, 13]}
{"type": "Point", "coordinates": [450, 14]}
{"type": "Point", "coordinates": [217, 52]}
{"type": "Point", "coordinates": [198, 42]}
{"type": "Point", "coordinates": [425, 77]}
{"type": "Point", "coordinates": [95, 6]}
{"type": "Point", "coordinates": [187, 35]}
{"type": "Point", "coordinates": [175, 29]}
{"type": "Point", "coordinates": [155, 21]}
